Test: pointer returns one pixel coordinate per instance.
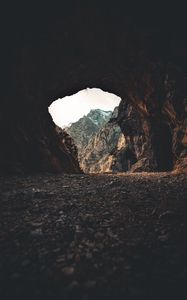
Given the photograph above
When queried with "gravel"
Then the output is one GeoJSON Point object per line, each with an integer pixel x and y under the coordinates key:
{"type": "Point", "coordinates": [107, 236]}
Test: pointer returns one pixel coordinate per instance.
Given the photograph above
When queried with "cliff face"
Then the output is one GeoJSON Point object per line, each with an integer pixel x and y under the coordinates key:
{"type": "Point", "coordinates": [69, 147]}
{"type": "Point", "coordinates": [87, 126]}
{"type": "Point", "coordinates": [155, 128]}
{"type": "Point", "coordinates": [98, 156]}
{"type": "Point", "coordinates": [105, 150]}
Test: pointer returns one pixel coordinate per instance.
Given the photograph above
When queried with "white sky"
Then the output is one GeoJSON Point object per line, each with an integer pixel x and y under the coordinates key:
{"type": "Point", "coordinates": [71, 108]}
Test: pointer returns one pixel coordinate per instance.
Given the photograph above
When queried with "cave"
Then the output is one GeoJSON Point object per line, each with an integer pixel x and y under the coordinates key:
{"type": "Point", "coordinates": [42, 66]}
{"type": "Point", "coordinates": [69, 234]}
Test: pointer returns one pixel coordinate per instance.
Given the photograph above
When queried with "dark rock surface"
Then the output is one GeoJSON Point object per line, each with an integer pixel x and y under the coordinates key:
{"type": "Point", "coordinates": [70, 148]}
{"type": "Point", "coordinates": [93, 237]}
{"type": "Point", "coordinates": [155, 127]}
{"type": "Point", "coordinates": [34, 145]}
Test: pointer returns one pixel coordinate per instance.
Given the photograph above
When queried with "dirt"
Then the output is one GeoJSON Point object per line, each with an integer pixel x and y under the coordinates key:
{"type": "Point", "coordinates": [93, 236]}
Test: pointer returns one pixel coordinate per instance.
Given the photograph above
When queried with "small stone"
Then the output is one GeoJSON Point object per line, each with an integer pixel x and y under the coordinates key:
{"type": "Point", "coordinates": [99, 235]}
{"type": "Point", "coordinates": [167, 214]}
{"type": "Point", "coordinates": [60, 259]}
{"type": "Point", "coordinates": [37, 232]}
{"type": "Point", "coordinates": [68, 271]}
{"type": "Point", "coordinates": [36, 224]}
{"type": "Point", "coordinates": [163, 238]}
{"type": "Point", "coordinates": [56, 250]}
{"type": "Point", "coordinates": [77, 228]}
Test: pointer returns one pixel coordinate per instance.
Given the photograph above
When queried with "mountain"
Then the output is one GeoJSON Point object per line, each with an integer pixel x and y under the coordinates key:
{"type": "Point", "coordinates": [100, 142]}
{"type": "Point", "coordinates": [99, 117]}
{"type": "Point", "coordinates": [87, 126]}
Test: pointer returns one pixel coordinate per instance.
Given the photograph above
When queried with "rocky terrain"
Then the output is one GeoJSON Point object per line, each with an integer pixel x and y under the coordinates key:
{"type": "Point", "coordinates": [100, 142]}
{"type": "Point", "coordinates": [87, 126]}
{"type": "Point", "coordinates": [93, 237]}
{"type": "Point", "coordinates": [105, 151]}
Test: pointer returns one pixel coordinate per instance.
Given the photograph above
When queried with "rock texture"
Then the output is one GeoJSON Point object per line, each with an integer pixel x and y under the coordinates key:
{"type": "Point", "coordinates": [69, 146]}
{"type": "Point", "coordinates": [105, 151]}
{"type": "Point", "coordinates": [155, 128]}
{"type": "Point", "coordinates": [32, 146]}
{"type": "Point", "coordinates": [93, 237]}
{"type": "Point", "coordinates": [87, 126]}
{"type": "Point", "coordinates": [101, 144]}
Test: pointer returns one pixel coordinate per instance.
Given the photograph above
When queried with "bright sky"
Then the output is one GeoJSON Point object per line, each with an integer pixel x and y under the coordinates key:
{"type": "Point", "coordinates": [71, 108]}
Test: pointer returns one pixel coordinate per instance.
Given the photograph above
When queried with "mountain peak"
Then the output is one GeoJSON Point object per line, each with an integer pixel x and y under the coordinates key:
{"type": "Point", "coordinates": [87, 126]}
{"type": "Point", "coordinates": [99, 116]}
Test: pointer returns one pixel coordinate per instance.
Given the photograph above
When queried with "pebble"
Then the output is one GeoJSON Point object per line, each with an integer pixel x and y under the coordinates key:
{"type": "Point", "coordinates": [60, 259]}
{"type": "Point", "coordinates": [68, 271]}
{"type": "Point", "coordinates": [99, 235]}
{"type": "Point", "coordinates": [56, 250]}
{"type": "Point", "coordinates": [163, 238]}
{"type": "Point", "coordinates": [166, 214]}
{"type": "Point", "coordinates": [37, 232]}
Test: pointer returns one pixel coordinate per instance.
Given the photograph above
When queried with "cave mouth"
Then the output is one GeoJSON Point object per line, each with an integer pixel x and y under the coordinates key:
{"type": "Point", "coordinates": [70, 109]}
{"type": "Point", "coordinates": [87, 125]}
{"type": "Point", "coordinates": [83, 116]}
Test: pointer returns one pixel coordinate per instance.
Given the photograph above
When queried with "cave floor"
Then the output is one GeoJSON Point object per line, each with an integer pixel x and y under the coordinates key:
{"type": "Point", "coordinates": [93, 236]}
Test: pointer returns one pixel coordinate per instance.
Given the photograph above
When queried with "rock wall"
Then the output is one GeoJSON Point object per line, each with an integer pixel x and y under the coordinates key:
{"type": "Point", "coordinates": [100, 154]}
{"type": "Point", "coordinates": [32, 144]}
{"type": "Point", "coordinates": [155, 127]}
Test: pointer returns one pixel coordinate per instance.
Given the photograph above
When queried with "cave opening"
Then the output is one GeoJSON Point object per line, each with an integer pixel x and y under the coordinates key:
{"type": "Point", "coordinates": [86, 117]}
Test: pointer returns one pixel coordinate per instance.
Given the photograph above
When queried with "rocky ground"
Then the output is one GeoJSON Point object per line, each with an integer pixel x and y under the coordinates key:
{"type": "Point", "coordinates": [93, 237]}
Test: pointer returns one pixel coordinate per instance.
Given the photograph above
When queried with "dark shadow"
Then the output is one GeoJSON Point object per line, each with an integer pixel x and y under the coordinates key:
{"type": "Point", "coordinates": [162, 143]}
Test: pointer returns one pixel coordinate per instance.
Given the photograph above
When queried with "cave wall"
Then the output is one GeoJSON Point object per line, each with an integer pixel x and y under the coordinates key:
{"type": "Point", "coordinates": [50, 52]}
{"type": "Point", "coordinates": [154, 123]}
